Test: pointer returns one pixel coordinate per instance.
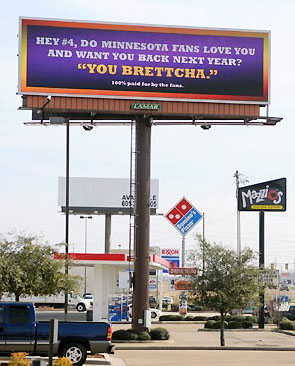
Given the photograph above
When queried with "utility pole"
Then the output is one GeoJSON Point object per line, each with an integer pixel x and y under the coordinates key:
{"type": "Point", "coordinates": [203, 248]}
{"type": "Point", "coordinates": [261, 317]}
{"type": "Point", "coordinates": [67, 213]}
{"type": "Point", "coordinates": [183, 251]}
{"type": "Point", "coordinates": [239, 179]}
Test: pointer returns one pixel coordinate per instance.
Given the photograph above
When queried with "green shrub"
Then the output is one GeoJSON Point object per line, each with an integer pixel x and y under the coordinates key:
{"type": "Point", "coordinates": [254, 319]}
{"type": "Point", "coordinates": [200, 318]}
{"type": "Point", "coordinates": [133, 334]}
{"type": "Point", "coordinates": [174, 307]}
{"type": "Point", "coordinates": [122, 335]}
{"type": "Point", "coordinates": [209, 324]}
{"type": "Point", "coordinates": [286, 324]}
{"type": "Point", "coordinates": [249, 319]}
{"type": "Point", "coordinates": [268, 320]}
{"type": "Point", "coordinates": [159, 334]}
{"type": "Point", "coordinates": [235, 318]}
{"type": "Point", "coordinates": [143, 336]}
{"type": "Point", "coordinates": [171, 318]}
{"type": "Point", "coordinates": [199, 308]}
{"type": "Point", "coordinates": [130, 335]}
{"type": "Point", "coordinates": [195, 308]}
{"type": "Point", "coordinates": [189, 318]}
{"type": "Point", "coordinates": [217, 325]}
{"type": "Point", "coordinates": [234, 324]}
{"type": "Point", "coordinates": [215, 317]}
{"type": "Point", "coordinates": [247, 324]}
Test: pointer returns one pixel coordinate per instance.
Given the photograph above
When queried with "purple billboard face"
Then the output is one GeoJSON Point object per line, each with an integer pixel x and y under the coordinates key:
{"type": "Point", "coordinates": [67, 58]}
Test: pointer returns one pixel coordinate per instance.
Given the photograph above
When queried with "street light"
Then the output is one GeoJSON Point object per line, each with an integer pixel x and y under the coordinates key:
{"type": "Point", "coordinates": [85, 250]}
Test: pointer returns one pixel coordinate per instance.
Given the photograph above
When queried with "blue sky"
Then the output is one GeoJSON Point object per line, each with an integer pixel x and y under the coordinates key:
{"type": "Point", "coordinates": [188, 161]}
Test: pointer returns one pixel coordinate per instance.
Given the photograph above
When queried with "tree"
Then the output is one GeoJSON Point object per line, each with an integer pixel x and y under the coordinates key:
{"type": "Point", "coordinates": [228, 281]}
{"type": "Point", "coordinates": [28, 267]}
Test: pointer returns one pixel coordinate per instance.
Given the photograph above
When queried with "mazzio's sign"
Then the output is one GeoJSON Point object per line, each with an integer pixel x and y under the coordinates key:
{"type": "Point", "coordinates": [266, 196]}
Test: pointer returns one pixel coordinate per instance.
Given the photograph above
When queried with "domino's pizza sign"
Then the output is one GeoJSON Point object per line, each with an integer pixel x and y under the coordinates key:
{"type": "Point", "coordinates": [183, 216]}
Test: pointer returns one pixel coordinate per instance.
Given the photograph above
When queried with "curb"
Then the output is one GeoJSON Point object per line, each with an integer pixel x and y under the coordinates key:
{"type": "Point", "coordinates": [166, 322]}
{"type": "Point", "coordinates": [196, 348]}
{"type": "Point", "coordinates": [141, 342]}
{"type": "Point", "coordinates": [237, 330]}
{"type": "Point", "coordinates": [181, 322]}
{"type": "Point", "coordinates": [106, 360]}
{"type": "Point", "coordinates": [287, 332]}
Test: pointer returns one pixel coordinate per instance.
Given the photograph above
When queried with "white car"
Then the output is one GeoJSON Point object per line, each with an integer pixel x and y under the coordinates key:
{"type": "Point", "coordinates": [85, 303]}
{"type": "Point", "coordinates": [155, 313]}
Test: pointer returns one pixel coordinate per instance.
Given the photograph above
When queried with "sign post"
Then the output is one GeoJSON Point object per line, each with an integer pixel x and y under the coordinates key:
{"type": "Point", "coordinates": [183, 251]}
{"type": "Point", "coordinates": [266, 196]}
{"type": "Point", "coordinates": [261, 319]}
{"type": "Point", "coordinates": [183, 216]}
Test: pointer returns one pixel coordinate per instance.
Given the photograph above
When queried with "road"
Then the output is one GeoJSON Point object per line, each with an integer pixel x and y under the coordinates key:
{"type": "Point", "coordinates": [203, 358]}
{"type": "Point", "coordinates": [187, 334]}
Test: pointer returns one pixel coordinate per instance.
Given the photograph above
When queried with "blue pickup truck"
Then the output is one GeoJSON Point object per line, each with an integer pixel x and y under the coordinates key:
{"type": "Point", "coordinates": [20, 332]}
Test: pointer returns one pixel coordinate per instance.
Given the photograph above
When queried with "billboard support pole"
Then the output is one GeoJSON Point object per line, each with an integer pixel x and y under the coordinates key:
{"type": "Point", "coordinates": [183, 251]}
{"type": "Point", "coordinates": [142, 222]}
{"type": "Point", "coordinates": [108, 224]}
{"type": "Point", "coordinates": [261, 267]}
{"type": "Point", "coordinates": [67, 213]}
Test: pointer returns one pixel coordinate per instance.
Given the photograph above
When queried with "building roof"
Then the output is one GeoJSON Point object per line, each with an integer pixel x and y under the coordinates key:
{"type": "Point", "coordinates": [92, 259]}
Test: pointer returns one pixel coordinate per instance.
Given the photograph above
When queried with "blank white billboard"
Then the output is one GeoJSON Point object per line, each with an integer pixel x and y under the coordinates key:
{"type": "Point", "coordinates": [99, 193]}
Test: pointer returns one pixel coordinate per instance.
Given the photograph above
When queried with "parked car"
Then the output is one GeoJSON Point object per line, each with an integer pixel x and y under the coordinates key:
{"type": "Point", "coordinates": [283, 287]}
{"type": "Point", "coordinates": [288, 312]}
{"type": "Point", "coordinates": [20, 332]}
{"type": "Point", "coordinates": [249, 311]}
{"type": "Point", "coordinates": [85, 303]}
{"type": "Point", "coordinates": [154, 312]}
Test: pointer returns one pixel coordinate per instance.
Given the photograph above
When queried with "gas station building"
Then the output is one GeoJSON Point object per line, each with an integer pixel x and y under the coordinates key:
{"type": "Point", "coordinates": [104, 278]}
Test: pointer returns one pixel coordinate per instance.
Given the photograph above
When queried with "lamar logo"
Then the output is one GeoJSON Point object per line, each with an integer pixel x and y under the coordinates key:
{"type": "Point", "coordinates": [145, 106]}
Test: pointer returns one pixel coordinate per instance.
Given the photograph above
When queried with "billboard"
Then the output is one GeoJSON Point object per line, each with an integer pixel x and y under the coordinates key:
{"type": "Point", "coordinates": [132, 61]}
{"type": "Point", "coordinates": [102, 195]}
{"type": "Point", "coordinates": [266, 196]}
